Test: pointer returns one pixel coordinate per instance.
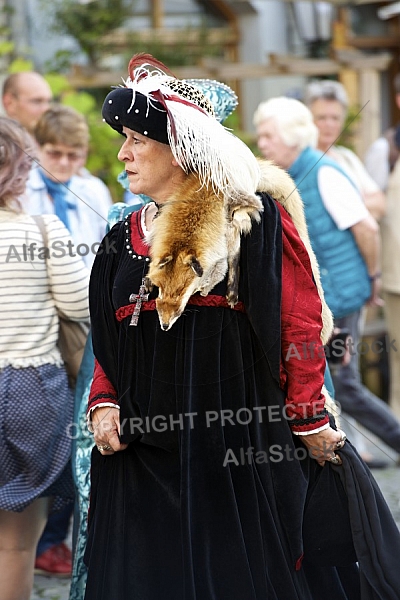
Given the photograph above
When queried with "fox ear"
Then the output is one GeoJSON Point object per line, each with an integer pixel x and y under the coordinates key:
{"type": "Point", "coordinates": [164, 261]}
{"type": "Point", "coordinates": [196, 266]}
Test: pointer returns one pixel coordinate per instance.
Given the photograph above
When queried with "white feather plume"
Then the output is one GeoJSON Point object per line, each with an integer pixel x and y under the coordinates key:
{"type": "Point", "coordinates": [203, 145]}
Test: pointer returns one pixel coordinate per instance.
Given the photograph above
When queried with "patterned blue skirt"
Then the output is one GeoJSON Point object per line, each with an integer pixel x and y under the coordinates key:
{"type": "Point", "coordinates": [35, 436]}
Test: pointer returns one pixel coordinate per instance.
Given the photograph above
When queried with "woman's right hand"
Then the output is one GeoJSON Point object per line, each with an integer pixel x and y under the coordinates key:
{"type": "Point", "coordinates": [106, 430]}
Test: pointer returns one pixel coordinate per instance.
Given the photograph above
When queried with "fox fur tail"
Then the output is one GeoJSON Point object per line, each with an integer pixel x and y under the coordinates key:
{"type": "Point", "coordinates": [278, 183]}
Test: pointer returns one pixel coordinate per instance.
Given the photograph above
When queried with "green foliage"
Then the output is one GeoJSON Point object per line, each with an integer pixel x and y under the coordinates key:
{"type": "Point", "coordinates": [59, 84]}
{"type": "Point", "coordinates": [83, 102]}
{"type": "Point", "coordinates": [105, 144]}
{"type": "Point", "coordinates": [6, 47]}
{"type": "Point", "coordinates": [88, 22]}
{"type": "Point", "coordinates": [20, 64]}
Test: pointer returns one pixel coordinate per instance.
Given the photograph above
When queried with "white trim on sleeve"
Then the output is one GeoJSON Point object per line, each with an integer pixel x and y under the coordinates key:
{"type": "Point", "coordinates": [313, 431]}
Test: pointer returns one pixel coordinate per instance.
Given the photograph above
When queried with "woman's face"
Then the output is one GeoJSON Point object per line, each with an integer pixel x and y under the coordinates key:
{"type": "Point", "coordinates": [272, 146]}
{"type": "Point", "coordinates": [150, 166]}
{"type": "Point", "coordinates": [59, 161]}
{"type": "Point", "coordinates": [329, 116]}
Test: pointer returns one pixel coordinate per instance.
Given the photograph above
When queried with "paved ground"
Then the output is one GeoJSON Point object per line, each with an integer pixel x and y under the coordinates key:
{"type": "Point", "coordinates": [50, 588]}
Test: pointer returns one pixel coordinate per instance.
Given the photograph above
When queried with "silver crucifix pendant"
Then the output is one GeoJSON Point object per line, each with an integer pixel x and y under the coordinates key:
{"type": "Point", "coordinates": [140, 297]}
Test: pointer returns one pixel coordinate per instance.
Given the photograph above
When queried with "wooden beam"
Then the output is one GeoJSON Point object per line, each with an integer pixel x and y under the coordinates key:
{"type": "Point", "coordinates": [369, 98]}
{"type": "Point", "coordinates": [349, 79]}
{"type": "Point", "coordinates": [342, 58]}
{"type": "Point", "coordinates": [240, 70]}
{"type": "Point", "coordinates": [388, 41]}
{"type": "Point", "coordinates": [293, 65]}
{"type": "Point", "coordinates": [121, 39]}
{"type": "Point", "coordinates": [157, 13]}
{"type": "Point", "coordinates": [359, 60]}
{"type": "Point", "coordinates": [82, 78]}
{"type": "Point", "coordinates": [341, 3]}
{"type": "Point", "coordinates": [348, 76]}
{"type": "Point", "coordinates": [211, 68]}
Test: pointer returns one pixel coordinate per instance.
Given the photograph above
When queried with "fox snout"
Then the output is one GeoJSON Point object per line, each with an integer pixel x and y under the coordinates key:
{"type": "Point", "coordinates": [168, 312]}
{"type": "Point", "coordinates": [177, 279]}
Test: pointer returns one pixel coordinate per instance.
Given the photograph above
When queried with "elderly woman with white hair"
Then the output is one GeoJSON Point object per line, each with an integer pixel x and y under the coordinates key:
{"type": "Point", "coordinates": [344, 237]}
{"type": "Point", "coordinates": [328, 103]}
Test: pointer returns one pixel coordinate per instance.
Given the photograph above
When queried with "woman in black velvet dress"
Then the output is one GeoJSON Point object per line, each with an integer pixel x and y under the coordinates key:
{"type": "Point", "coordinates": [208, 435]}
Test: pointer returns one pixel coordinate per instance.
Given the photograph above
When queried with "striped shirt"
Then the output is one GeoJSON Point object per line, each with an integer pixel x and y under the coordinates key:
{"type": "Point", "coordinates": [33, 288]}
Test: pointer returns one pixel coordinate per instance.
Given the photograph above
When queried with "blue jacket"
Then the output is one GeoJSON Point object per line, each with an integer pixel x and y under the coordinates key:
{"type": "Point", "coordinates": [344, 274]}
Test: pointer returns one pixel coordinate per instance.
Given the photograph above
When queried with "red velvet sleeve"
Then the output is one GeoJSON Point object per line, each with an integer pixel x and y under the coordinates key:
{"type": "Point", "coordinates": [101, 390]}
{"type": "Point", "coordinates": [303, 357]}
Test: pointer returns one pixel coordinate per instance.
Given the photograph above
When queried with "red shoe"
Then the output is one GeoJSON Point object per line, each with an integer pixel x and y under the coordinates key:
{"type": "Point", "coordinates": [55, 562]}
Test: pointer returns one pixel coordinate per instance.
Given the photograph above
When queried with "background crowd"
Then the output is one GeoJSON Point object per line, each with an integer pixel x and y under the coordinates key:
{"type": "Point", "coordinates": [354, 234]}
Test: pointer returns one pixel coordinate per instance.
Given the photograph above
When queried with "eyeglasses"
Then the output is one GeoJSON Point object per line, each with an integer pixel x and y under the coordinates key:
{"type": "Point", "coordinates": [58, 155]}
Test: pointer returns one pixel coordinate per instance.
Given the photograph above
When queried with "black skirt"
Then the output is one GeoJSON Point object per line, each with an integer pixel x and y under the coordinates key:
{"type": "Point", "coordinates": [158, 543]}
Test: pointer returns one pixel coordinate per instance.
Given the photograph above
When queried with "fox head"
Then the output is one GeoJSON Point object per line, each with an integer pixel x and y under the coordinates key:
{"type": "Point", "coordinates": [177, 278]}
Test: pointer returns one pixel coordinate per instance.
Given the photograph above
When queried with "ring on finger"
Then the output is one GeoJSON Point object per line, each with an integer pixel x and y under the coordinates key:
{"type": "Point", "coordinates": [335, 460]}
{"type": "Point", "coordinates": [342, 440]}
{"type": "Point", "coordinates": [104, 448]}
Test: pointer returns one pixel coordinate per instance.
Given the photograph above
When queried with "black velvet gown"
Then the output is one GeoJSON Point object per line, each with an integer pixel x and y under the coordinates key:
{"type": "Point", "coordinates": [208, 501]}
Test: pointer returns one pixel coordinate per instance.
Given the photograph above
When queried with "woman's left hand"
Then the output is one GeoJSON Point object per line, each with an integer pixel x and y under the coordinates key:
{"type": "Point", "coordinates": [323, 445]}
{"type": "Point", "coordinates": [106, 430]}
